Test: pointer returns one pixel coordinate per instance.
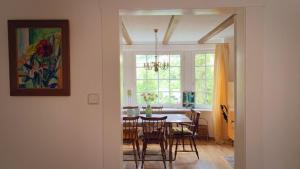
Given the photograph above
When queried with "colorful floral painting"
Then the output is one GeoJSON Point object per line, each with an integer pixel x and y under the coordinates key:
{"type": "Point", "coordinates": [39, 57]}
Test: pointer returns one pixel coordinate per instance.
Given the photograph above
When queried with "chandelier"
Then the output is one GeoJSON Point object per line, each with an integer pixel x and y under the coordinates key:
{"type": "Point", "coordinates": [156, 65]}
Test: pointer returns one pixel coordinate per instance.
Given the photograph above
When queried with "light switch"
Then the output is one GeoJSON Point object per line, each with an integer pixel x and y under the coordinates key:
{"type": "Point", "coordinates": [93, 98]}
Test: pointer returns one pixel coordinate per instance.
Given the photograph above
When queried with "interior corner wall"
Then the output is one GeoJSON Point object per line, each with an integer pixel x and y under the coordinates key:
{"type": "Point", "coordinates": [52, 132]}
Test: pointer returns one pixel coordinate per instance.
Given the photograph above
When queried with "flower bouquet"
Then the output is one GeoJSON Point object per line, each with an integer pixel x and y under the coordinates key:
{"type": "Point", "coordinates": [148, 98]}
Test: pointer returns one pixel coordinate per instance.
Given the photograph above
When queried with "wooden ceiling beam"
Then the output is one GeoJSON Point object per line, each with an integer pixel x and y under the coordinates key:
{"type": "Point", "coordinates": [126, 34]}
{"type": "Point", "coordinates": [171, 27]}
{"type": "Point", "coordinates": [222, 26]}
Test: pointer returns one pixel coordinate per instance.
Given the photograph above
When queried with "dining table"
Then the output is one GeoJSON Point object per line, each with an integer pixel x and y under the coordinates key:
{"type": "Point", "coordinates": [171, 119]}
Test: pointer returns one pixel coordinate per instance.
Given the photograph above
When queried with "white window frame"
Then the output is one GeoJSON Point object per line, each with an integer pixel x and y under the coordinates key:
{"type": "Point", "coordinates": [194, 53]}
{"type": "Point", "coordinates": [181, 77]}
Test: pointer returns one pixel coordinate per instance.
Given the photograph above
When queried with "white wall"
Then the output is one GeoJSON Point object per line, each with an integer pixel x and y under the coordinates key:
{"type": "Point", "coordinates": [54, 132]}
{"type": "Point", "coordinates": [281, 114]}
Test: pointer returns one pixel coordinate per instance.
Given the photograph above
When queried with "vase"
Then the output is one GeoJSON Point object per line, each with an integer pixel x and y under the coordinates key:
{"type": "Point", "coordinates": [148, 111]}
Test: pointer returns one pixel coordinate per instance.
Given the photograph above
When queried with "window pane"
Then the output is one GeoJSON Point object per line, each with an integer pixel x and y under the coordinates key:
{"type": "Point", "coordinates": [141, 85]}
{"type": "Point", "coordinates": [164, 85]}
{"type": "Point", "coordinates": [199, 72]}
{"type": "Point", "coordinates": [210, 57]}
{"type": "Point", "coordinates": [164, 74]}
{"type": "Point", "coordinates": [164, 97]}
{"type": "Point", "coordinates": [139, 98]}
{"type": "Point", "coordinates": [175, 98]}
{"type": "Point", "coordinates": [209, 98]}
{"type": "Point", "coordinates": [174, 60]}
{"type": "Point", "coordinates": [141, 73]}
{"type": "Point", "coordinates": [175, 85]}
{"type": "Point", "coordinates": [210, 85]}
{"type": "Point", "coordinates": [210, 72]}
{"type": "Point", "coordinates": [151, 74]}
{"type": "Point", "coordinates": [152, 85]}
{"type": "Point", "coordinates": [150, 58]}
{"type": "Point", "coordinates": [164, 58]}
{"type": "Point", "coordinates": [200, 86]}
{"type": "Point", "coordinates": [200, 97]}
{"type": "Point", "coordinates": [200, 60]}
{"type": "Point", "coordinates": [140, 60]}
{"type": "Point", "coordinates": [174, 72]}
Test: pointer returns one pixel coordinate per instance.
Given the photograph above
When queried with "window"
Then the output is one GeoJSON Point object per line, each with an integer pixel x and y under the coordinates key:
{"type": "Point", "coordinates": [165, 83]}
{"type": "Point", "coordinates": [204, 79]}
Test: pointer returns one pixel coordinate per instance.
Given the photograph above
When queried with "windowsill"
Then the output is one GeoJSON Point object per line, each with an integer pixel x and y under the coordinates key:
{"type": "Point", "coordinates": [185, 109]}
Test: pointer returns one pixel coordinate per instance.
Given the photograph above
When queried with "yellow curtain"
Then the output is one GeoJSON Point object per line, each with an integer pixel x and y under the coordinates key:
{"type": "Point", "coordinates": [220, 90]}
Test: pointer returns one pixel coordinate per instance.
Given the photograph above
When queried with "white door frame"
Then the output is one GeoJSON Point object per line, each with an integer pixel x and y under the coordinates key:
{"type": "Point", "coordinates": [112, 156]}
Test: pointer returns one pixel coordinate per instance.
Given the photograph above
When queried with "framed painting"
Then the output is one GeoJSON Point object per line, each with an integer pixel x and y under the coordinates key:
{"type": "Point", "coordinates": [39, 61]}
{"type": "Point", "coordinates": [188, 99]}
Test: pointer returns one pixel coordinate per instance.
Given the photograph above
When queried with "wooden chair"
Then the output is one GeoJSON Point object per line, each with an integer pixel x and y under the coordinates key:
{"type": "Point", "coordinates": [224, 112]}
{"type": "Point", "coordinates": [186, 130]}
{"type": "Point", "coordinates": [154, 133]}
{"type": "Point", "coordinates": [131, 135]}
{"type": "Point", "coordinates": [130, 107]}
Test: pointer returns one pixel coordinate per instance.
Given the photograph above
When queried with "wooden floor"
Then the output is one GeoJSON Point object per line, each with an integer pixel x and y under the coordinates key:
{"type": "Point", "coordinates": [211, 157]}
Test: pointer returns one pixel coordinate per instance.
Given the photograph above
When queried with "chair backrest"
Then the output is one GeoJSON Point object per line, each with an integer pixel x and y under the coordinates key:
{"type": "Point", "coordinates": [130, 107]}
{"type": "Point", "coordinates": [130, 127]}
{"type": "Point", "coordinates": [195, 117]}
{"type": "Point", "coordinates": [155, 109]}
{"type": "Point", "coordinates": [154, 127]}
{"type": "Point", "coordinates": [224, 112]}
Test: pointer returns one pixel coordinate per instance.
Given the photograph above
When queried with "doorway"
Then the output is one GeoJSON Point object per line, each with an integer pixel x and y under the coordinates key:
{"type": "Point", "coordinates": [180, 37]}
{"type": "Point", "coordinates": [239, 51]}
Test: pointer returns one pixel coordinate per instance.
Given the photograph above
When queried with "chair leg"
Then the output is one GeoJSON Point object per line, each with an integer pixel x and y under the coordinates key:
{"type": "Point", "coordinates": [144, 152]}
{"type": "Point", "coordinates": [195, 147]}
{"type": "Point", "coordinates": [138, 147]}
{"type": "Point", "coordinates": [163, 153]}
{"type": "Point", "coordinates": [191, 144]}
{"type": "Point", "coordinates": [170, 148]}
{"type": "Point", "coordinates": [176, 147]}
{"type": "Point", "coordinates": [134, 153]}
{"type": "Point", "coordinates": [183, 144]}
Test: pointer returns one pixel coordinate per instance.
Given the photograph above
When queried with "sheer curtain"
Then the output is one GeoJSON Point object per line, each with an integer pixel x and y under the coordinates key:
{"type": "Point", "coordinates": [220, 90]}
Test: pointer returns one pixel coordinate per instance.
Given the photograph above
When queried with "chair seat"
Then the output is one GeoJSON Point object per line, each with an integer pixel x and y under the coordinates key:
{"type": "Point", "coordinates": [178, 130]}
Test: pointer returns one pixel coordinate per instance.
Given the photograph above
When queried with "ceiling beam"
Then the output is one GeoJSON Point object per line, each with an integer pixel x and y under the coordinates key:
{"type": "Point", "coordinates": [222, 26]}
{"type": "Point", "coordinates": [171, 27]}
{"type": "Point", "coordinates": [126, 35]}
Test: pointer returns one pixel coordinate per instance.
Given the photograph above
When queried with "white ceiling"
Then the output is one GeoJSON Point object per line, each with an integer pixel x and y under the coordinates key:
{"type": "Point", "coordinates": [190, 28]}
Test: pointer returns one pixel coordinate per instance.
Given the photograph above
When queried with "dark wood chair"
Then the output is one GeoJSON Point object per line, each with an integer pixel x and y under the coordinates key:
{"type": "Point", "coordinates": [154, 133]}
{"type": "Point", "coordinates": [131, 135]}
{"type": "Point", "coordinates": [186, 130]}
{"type": "Point", "coordinates": [130, 107]}
{"type": "Point", "coordinates": [224, 112]}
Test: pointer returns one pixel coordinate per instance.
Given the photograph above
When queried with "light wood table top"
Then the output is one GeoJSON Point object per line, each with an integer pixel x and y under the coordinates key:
{"type": "Point", "coordinates": [172, 118]}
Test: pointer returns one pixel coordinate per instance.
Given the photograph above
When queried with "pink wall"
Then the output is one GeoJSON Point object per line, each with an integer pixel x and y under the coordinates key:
{"type": "Point", "coordinates": [281, 85]}
{"type": "Point", "coordinates": [54, 132]}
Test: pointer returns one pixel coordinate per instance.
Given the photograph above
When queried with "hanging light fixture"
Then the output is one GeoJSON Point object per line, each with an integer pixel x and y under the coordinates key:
{"type": "Point", "coordinates": [156, 65]}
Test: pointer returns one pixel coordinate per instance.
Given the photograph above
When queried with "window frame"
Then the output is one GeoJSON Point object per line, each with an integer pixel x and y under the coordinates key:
{"type": "Point", "coordinates": [194, 53]}
{"type": "Point", "coordinates": [169, 53]}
